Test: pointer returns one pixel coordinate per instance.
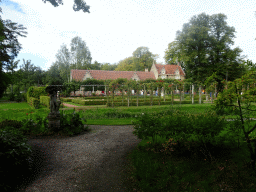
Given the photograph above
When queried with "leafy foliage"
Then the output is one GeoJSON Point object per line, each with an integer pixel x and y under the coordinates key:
{"type": "Point", "coordinates": [15, 151]}
{"type": "Point", "coordinates": [203, 48]}
{"type": "Point", "coordinates": [175, 124]}
{"type": "Point", "coordinates": [238, 96]}
{"type": "Point", "coordinates": [78, 5]}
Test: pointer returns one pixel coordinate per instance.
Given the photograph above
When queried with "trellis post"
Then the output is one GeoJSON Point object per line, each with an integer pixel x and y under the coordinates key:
{"type": "Point", "coordinates": [200, 94]}
{"type": "Point", "coordinates": [192, 93]}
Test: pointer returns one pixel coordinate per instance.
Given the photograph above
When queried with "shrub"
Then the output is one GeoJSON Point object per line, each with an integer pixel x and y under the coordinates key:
{"type": "Point", "coordinates": [11, 97]}
{"type": "Point", "coordinates": [18, 97]}
{"type": "Point", "coordinates": [176, 124]}
{"type": "Point", "coordinates": [71, 124]}
{"type": "Point", "coordinates": [15, 151]}
{"type": "Point", "coordinates": [24, 96]}
{"type": "Point", "coordinates": [10, 123]}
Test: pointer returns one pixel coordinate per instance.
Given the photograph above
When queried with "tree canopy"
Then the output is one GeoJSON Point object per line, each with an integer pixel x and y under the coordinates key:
{"type": "Point", "coordinates": [204, 47]}
{"type": "Point", "coordinates": [78, 5]}
{"type": "Point", "coordinates": [9, 49]}
{"type": "Point", "coordinates": [141, 59]}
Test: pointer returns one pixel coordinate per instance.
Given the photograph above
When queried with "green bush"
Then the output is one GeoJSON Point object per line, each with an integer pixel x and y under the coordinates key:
{"type": "Point", "coordinates": [71, 124]}
{"type": "Point", "coordinates": [11, 97]}
{"type": "Point", "coordinates": [24, 96]}
{"type": "Point", "coordinates": [176, 124]}
{"type": "Point", "coordinates": [10, 123]}
{"type": "Point", "coordinates": [18, 97]}
{"type": "Point", "coordinates": [15, 151]}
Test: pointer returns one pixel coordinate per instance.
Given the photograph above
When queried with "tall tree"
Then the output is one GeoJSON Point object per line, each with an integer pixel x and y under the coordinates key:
{"type": "Point", "coordinates": [11, 66]}
{"type": "Point", "coordinates": [28, 74]}
{"type": "Point", "coordinates": [203, 46]}
{"type": "Point", "coordinates": [143, 58]}
{"type": "Point", "coordinates": [78, 5]}
{"type": "Point", "coordinates": [53, 75]}
{"type": "Point", "coordinates": [9, 48]}
{"type": "Point", "coordinates": [63, 60]}
{"type": "Point", "coordinates": [173, 53]}
{"type": "Point", "coordinates": [80, 54]}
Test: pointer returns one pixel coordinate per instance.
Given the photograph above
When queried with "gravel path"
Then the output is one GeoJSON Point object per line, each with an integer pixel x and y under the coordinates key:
{"type": "Point", "coordinates": [91, 161]}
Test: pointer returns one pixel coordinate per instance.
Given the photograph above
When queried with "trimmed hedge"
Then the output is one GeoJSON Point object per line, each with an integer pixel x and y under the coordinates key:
{"type": "Point", "coordinates": [116, 104]}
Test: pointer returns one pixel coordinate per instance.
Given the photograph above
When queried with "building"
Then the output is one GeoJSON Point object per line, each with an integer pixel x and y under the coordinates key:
{"type": "Point", "coordinates": [157, 71]}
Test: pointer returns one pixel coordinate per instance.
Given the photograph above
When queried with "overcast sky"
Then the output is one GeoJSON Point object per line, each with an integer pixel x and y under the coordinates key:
{"type": "Point", "coordinates": [116, 28]}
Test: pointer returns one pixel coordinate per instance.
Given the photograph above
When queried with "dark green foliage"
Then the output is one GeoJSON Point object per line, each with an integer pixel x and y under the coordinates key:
{"type": "Point", "coordinates": [24, 96]}
{"type": "Point", "coordinates": [15, 151]}
{"type": "Point", "coordinates": [18, 97]}
{"type": "Point", "coordinates": [10, 123]}
{"type": "Point", "coordinates": [71, 124]}
{"type": "Point", "coordinates": [204, 47]}
{"type": "Point", "coordinates": [93, 82]}
{"type": "Point", "coordinates": [11, 97]}
{"type": "Point", "coordinates": [176, 124]}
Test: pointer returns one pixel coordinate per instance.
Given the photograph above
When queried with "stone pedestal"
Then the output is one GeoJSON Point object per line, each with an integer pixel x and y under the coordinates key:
{"type": "Point", "coordinates": [54, 121]}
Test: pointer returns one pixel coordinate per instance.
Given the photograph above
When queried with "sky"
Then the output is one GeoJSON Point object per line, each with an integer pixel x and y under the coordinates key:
{"type": "Point", "coordinates": [114, 29]}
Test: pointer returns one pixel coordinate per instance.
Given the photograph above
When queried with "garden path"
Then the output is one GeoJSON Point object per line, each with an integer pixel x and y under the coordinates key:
{"type": "Point", "coordinates": [69, 105]}
{"type": "Point", "coordinates": [92, 161]}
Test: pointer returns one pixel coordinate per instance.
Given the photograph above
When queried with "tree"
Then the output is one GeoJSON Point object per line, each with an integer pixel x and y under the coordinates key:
{"type": "Point", "coordinates": [63, 61]}
{"type": "Point", "coordinates": [78, 5]}
{"type": "Point", "coordinates": [28, 74]}
{"type": "Point", "coordinates": [53, 76]}
{"type": "Point", "coordinates": [72, 86]}
{"type": "Point", "coordinates": [226, 61]}
{"type": "Point", "coordinates": [11, 66]}
{"type": "Point", "coordinates": [173, 53]}
{"type": "Point", "coordinates": [9, 48]}
{"type": "Point", "coordinates": [203, 46]}
{"type": "Point", "coordinates": [237, 99]}
{"type": "Point", "coordinates": [126, 65]}
{"type": "Point", "coordinates": [39, 75]}
{"type": "Point", "coordinates": [108, 67]}
{"type": "Point", "coordinates": [96, 65]}
{"type": "Point", "coordinates": [80, 54]}
{"type": "Point", "coordinates": [143, 58]}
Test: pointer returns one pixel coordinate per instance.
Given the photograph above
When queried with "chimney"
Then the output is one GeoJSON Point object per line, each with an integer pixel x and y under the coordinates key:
{"type": "Point", "coordinates": [146, 69]}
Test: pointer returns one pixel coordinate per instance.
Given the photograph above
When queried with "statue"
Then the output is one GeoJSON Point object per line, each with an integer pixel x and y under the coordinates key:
{"type": "Point", "coordinates": [54, 104]}
{"type": "Point", "coordinates": [54, 115]}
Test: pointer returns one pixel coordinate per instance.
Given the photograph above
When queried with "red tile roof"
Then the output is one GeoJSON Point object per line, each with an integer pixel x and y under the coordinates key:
{"type": "Point", "coordinates": [170, 69]}
{"type": "Point", "coordinates": [145, 75]}
{"type": "Point", "coordinates": [159, 67]}
{"type": "Point", "coordinates": [103, 75]}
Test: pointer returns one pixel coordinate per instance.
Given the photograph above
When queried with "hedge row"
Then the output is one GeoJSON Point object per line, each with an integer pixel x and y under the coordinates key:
{"type": "Point", "coordinates": [116, 104]}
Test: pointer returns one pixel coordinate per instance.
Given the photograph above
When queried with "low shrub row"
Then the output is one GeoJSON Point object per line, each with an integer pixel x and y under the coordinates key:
{"type": "Point", "coordinates": [116, 104]}
{"type": "Point", "coordinates": [175, 124]}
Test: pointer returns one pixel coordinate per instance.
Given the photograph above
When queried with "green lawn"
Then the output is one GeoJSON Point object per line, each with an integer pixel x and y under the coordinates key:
{"type": "Point", "coordinates": [95, 114]}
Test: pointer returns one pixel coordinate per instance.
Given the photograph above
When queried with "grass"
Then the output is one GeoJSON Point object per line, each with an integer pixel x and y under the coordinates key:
{"type": "Point", "coordinates": [156, 168]}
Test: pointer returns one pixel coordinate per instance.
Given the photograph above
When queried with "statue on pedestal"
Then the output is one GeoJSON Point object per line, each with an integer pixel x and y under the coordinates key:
{"type": "Point", "coordinates": [54, 104]}
{"type": "Point", "coordinates": [54, 115]}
